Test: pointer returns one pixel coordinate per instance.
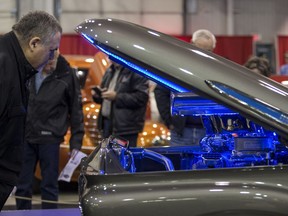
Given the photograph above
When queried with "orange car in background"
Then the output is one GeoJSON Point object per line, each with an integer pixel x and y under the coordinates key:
{"type": "Point", "coordinates": [90, 70]}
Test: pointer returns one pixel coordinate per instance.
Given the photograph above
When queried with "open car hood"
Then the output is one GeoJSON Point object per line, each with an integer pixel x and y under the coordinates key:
{"type": "Point", "coordinates": [186, 70]}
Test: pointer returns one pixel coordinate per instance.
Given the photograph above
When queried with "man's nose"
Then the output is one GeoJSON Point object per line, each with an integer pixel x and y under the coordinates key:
{"type": "Point", "coordinates": [52, 53]}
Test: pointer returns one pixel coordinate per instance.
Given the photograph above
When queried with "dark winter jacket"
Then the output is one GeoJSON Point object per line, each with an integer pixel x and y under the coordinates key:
{"type": "Point", "coordinates": [129, 106]}
{"type": "Point", "coordinates": [55, 107]}
{"type": "Point", "coordinates": [15, 70]}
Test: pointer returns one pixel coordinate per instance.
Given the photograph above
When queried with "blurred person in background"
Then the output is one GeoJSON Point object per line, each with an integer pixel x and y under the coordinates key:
{"type": "Point", "coordinates": [23, 52]}
{"type": "Point", "coordinates": [259, 65]}
{"type": "Point", "coordinates": [185, 130]}
{"type": "Point", "coordinates": [123, 96]}
{"type": "Point", "coordinates": [55, 104]}
{"type": "Point", "coordinates": [284, 68]}
{"type": "Point", "coordinates": [204, 39]}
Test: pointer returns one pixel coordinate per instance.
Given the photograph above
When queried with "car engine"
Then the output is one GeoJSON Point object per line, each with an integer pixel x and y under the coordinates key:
{"type": "Point", "coordinates": [231, 141]}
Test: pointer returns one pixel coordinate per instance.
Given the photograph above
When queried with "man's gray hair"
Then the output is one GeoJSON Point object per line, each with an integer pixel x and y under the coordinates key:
{"type": "Point", "coordinates": [36, 24]}
{"type": "Point", "coordinates": [203, 33]}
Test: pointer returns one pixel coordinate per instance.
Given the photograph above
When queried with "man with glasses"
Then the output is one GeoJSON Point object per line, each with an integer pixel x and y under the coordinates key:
{"type": "Point", "coordinates": [23, 52]}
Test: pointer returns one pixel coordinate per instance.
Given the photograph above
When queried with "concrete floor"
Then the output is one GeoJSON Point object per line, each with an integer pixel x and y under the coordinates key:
{"type": "Point", "coordinates": [40, 212]}
{"type": "Point", "coordinates": [68, 198]}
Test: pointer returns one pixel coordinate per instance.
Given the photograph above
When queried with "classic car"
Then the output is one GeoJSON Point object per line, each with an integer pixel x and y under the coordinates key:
{"type": "Point", "coordinates": [238, 168]}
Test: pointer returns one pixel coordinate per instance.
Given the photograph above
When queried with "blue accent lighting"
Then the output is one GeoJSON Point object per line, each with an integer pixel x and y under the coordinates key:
{"type": "Point", "coordinates": [88, 38]}
{"type": "Point", "coordinates": [174, 87]}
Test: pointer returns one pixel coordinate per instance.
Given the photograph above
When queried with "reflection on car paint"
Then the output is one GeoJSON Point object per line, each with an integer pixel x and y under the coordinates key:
{"type": "Point", "coordinates": [238, 168]}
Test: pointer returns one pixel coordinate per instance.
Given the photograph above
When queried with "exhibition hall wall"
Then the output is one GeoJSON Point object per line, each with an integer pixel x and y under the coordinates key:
{"type": "Point", "coordinates": [263, 20]}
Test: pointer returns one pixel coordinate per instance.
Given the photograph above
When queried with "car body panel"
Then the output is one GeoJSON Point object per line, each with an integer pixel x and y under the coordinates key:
{"type": "Point", "coordinates": [107, 187]}
{"type": "Point", "coordinates": [234, 171]}
{"type": "Point", "coordinates": [205, 192]}
{"type": "Point", "coordinates": [184, 68]}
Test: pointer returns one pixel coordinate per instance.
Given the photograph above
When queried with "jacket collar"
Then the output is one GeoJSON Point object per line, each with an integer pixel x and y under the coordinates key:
{"type": "Point", "coordinates": [28, 71]}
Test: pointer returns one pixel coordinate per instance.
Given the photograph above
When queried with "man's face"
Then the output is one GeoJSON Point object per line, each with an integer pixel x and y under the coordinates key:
{"type": "Point", "coordinates": [51, 65]}
{"type": "Point", "coordinates": [256, 70]}
{"type": "Point", "coordinates": [43, 52]}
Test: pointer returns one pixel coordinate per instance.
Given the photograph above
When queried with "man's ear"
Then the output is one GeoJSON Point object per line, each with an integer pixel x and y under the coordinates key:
{"type": "Point", "coordinates": [34, 42]}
